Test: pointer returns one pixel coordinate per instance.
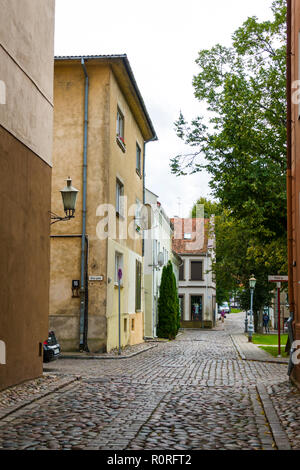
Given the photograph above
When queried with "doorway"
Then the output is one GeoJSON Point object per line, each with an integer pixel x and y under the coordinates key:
{"type": "Point", "coordinates": [196, 308]}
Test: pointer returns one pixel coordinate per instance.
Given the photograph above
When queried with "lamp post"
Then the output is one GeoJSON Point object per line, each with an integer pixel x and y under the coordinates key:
{"type": "Point", "coordinates": [246, 322]}
{"type": "Point", "coordinates": [252, 283]}
{"type": "Point", "coordinates": [69, 197]}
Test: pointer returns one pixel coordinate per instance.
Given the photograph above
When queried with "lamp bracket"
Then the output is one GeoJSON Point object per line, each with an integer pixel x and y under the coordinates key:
{"type": "Point", "coordinates": [57, 218]}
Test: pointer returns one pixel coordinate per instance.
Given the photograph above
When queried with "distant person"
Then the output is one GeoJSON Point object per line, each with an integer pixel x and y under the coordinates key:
{"type": "Point", "coordinates": [223, 316]}
{"type": "Point", "coordinates": [266, 320]}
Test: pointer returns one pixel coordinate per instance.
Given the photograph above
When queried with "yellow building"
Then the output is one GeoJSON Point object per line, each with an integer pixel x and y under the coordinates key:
{"type": "Point", "coordinates": [101, 126]}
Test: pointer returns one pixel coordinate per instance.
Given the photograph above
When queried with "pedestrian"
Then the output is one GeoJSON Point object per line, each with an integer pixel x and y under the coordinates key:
{"type": "Point", "coordinates": [223, 315]}
{"type": "Point", "coordinates": [266, 320]}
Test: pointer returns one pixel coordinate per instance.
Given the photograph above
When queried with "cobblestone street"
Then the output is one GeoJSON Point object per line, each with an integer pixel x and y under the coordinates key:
{"type": "Point", "coordinates": [193, 393]}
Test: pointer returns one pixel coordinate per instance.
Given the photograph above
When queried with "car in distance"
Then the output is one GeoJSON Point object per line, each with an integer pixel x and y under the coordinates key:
{"type": "Point", "coordinates": [224, 306]}
{"type": "Point", "coordinates": [51, 348]}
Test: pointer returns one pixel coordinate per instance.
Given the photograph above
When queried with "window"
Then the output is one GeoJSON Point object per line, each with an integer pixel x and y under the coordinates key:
{"type": "Point", "coordinates": [196, 271]}
{"type": "Point", "coordinates": [181, 306]}
{"type": "Point", "coordinates": [138, 286]}
{"type": "Point", "coordinates": [118, 265]}
{"type": "Point", "coordinates": [132, 324]}
{"type": "Point", "coordinates": [187, 236]}
{"type": "Point", "coordinates": [119, 197]}
{"type": "Point", "coordinates": [138, 209]}
{"type": "Point", "coordinates": [125, 325]}
{"type": "Point", "coordinates": [120, 124]}
{"type": "Point", "coordinates": [181, 272]}
{"type": "Point", "coordinates": [138, 159]}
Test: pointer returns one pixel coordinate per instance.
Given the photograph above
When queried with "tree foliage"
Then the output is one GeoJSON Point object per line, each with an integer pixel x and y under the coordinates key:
{"type": "Point", "coordinates": [241, 143]}
{"type": "Point", "coordinates": [242, 140]}
{"type": "Point", "coordinates": [168, 305]}
{"type": "Point", "coordinates": [210, 208]}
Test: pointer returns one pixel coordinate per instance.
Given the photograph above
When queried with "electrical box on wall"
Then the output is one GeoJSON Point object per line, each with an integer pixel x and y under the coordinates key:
{"type": "Point", "coordinates": [75, 288]}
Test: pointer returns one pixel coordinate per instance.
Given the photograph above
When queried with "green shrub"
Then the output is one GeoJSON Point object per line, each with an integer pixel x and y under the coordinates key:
{"type": "Point", "coordinates": [168, 305]}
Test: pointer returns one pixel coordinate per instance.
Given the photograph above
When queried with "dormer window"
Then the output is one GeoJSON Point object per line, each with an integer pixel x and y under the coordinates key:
{"type": "Point", "coordinates": [187, 236]}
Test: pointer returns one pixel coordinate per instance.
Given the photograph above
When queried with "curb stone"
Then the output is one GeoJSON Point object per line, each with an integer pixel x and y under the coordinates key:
{"type": "Point", "coordinates": [12, 409]}
{"type": "Point", "coordinates": [245, 358]}
{"type": "Point", "coordinates": [95, 357]}
{"type": "Point", "coordinates": [281, 440]}
{"type": "Point", "coordinates": [263, 427]}
{"type": "Point", "coordinates": [238, 349]}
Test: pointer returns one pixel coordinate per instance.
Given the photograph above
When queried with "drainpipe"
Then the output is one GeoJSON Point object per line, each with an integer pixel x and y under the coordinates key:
{"type": "Point", "coordinates": [83, 287]}
{"type": "Point", "coordinates": [289, 181]}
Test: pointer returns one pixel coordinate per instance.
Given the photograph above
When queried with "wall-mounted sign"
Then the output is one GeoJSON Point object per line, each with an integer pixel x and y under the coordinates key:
{"type": "Point", "coordinates": [278, 279]}
{"type": "Point", "coordinates": [96, 278]}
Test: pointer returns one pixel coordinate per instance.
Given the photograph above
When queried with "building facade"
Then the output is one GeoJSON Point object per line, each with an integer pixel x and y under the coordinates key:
{"type": "Point", "coordinates": [101, 127]}
{"type": "Point", "coordinates": [158, 251]}
{"type": "Point", "coordinates": [194, 243]}
{"type": "Point", "coordinates": [293, 173]}
{"type": "Point", "coordinates": [26, 114]}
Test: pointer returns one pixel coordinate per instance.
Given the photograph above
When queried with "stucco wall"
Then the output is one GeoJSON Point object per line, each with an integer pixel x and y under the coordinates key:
{"type": "Point", "coordinates": [128, 312]}
{"type": "Point", "coordinates": [26, 57]}
{"type": "Point", "coordinates": [24, 252]}
{"type": "Point", "coordinates": [26, 112]}
{"type": "Point", "coordinates": [68, 161]}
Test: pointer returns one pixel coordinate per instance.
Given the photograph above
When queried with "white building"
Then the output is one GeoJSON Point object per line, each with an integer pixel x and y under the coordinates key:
{"type": "Point", "coordinates": [194, 243]}
{"type": "Point", "coordinates": [158, 251]}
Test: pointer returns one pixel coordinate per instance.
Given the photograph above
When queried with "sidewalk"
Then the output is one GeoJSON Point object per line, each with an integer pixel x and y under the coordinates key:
{"type": "Point", "coordinates": [251, 352]}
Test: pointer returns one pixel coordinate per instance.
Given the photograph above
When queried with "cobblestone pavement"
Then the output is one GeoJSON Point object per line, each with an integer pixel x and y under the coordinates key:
{"type": "Point", "coordinates": [193, 393]}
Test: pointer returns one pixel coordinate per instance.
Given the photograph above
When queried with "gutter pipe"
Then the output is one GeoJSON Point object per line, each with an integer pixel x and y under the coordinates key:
{"type": "Point", "coordinates": [83, 311]}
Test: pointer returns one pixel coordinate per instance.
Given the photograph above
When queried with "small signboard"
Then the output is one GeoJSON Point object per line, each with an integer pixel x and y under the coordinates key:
{"type": "Point", "coordinates": [96, 278]}
{"type": "Point", "coordinates": [278, 278]}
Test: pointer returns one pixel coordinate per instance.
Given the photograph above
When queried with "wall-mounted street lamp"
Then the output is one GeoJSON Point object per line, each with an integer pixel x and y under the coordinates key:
{"type": "Point", "coordinates": [69, 197]}
{"type": "Point", "coordinates": [252, 283]}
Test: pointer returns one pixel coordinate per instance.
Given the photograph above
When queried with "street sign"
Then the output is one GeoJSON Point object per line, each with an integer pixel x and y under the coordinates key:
{"type": "Point", "coordinates": [278, 278]}
{"type": "Point", "coordinates": [96, 278]}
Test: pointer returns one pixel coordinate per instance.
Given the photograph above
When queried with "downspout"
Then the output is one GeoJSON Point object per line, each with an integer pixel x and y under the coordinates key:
{"type": "Point", "coordinates": [83, 319]}
{"type": "Point", "coordinates": [289, 181]}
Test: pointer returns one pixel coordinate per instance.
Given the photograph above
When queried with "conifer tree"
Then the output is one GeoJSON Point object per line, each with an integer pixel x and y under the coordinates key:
{"type": "Point", "coordinates": [168, 305]}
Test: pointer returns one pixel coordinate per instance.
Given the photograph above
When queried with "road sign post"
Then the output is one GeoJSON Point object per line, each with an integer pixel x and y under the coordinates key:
{"type": "Point", "coordinates": [278, 280]}
{"type": "Point", "coordinates": [119, 288]}
{"type": "Point", "coordinates": [278, 304]}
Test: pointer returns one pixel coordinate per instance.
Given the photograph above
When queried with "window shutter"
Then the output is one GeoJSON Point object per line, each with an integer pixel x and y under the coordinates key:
{"type": "Point", "coordinates": [196, 271]}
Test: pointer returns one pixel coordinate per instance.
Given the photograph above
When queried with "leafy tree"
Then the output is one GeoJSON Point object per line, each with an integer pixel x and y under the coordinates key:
{"type": "Point", "coordinates": [210, 207]}
{"type": "Point", "coordinates": [242, 141]}
{"type": "Point", "coordinates": [239, 254]}
{"type": "Point", "coordinates": [168, 305]}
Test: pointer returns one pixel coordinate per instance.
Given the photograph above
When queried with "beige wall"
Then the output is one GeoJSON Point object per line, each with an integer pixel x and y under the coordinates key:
{"type": "Point", "coordinates": [68, 161]}
{"type": "Point", "coordinates": [26, 57]}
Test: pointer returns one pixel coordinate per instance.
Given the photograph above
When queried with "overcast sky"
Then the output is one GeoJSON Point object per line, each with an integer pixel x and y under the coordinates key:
{"type": "Point", "coordinates": [161, 39]}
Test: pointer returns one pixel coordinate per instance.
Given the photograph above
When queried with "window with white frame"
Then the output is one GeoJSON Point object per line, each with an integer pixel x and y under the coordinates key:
{"type": "Point", "coordinates": [120, 125]}
{"type": "Point", "coordinates": [138, 159]}
{"type": "Point", "coordinates": [118, 265]}
{"type": "Point", "coordinates": [119, 197]}
{"type": "Point", "coordinates": [138, 213]}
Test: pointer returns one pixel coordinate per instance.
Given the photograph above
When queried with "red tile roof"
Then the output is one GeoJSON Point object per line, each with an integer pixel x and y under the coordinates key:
{"type": "Point", "coordinates": [198, 228]}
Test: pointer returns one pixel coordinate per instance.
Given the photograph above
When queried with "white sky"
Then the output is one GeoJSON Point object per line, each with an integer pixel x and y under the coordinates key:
{"type": "Point", "coordinates": [161, 39]}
